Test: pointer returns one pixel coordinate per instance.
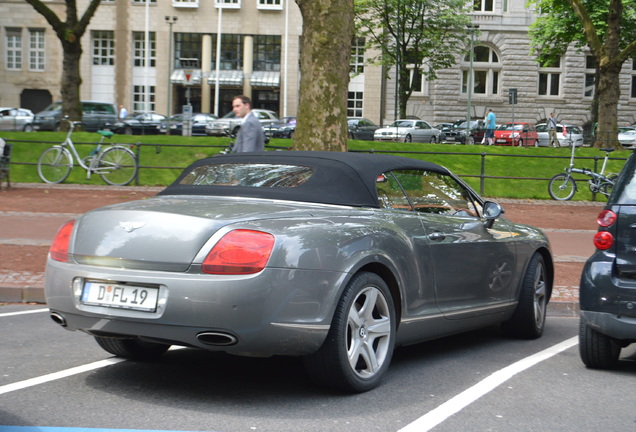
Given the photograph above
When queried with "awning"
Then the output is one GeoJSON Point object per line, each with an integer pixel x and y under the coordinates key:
{"type": "Point", "coordinates": [178, 76]}
{"type": "Point", "coordinates": [265, 79]}
{"type": "Point", "coordinates": [227, 77]}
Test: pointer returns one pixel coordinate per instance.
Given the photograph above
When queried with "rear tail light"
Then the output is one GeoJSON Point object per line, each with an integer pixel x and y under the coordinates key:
{"type": "Point", "coordinates": [59, 248]}
{"type": "Point", "coordinates": [606, 218]}
{"type": "Point", "coordinates": [239, 252]}
{"type": "Point", "coordinates": [604, 240]}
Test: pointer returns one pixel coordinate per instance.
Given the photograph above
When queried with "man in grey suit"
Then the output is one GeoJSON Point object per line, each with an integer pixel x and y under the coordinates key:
{"type": "Point", "coordinates": [250, 137]}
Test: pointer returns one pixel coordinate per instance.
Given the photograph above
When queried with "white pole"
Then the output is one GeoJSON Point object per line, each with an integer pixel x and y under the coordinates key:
{"type": "Point", "coordinates": [218, 62]}
{"type": "Point", "coordinates": [146, 57]}
{"type": "Point", "coordinates": [285, 59]}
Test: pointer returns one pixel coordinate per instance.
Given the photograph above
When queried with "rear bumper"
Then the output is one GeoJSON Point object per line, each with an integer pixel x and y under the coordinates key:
{"type": "Point", "coordinates": [614, 326]}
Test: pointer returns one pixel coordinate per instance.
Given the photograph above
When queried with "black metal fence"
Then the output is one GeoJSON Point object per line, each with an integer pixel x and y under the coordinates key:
{"type": "Point", "coordinates": [143, 149]}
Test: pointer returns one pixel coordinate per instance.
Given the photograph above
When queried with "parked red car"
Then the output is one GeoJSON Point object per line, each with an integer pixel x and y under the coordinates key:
{"type": "Point", "coordinates": [516, 134]}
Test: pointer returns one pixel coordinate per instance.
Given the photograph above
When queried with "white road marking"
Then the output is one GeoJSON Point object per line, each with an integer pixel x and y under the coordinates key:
{"type": "Point", "coordinates": [465, 398]}
{"type": "Point", "coordinates": [59, 375]}
{"type": "Point", "coordinates": [8, 314]}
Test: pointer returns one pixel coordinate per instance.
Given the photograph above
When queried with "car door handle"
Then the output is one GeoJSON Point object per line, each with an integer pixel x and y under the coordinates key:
{"type": "Point", "coordinates": [436, 236]}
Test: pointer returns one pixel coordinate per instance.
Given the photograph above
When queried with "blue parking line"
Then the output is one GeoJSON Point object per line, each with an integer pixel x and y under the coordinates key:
{"type": "Point", "coordinates": [74, 429]}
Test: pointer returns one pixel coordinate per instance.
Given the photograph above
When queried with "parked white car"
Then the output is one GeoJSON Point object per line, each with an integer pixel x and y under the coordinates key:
{"type": "Point", "coordinates": [573, 134]}
{"type": "Point", "coordinates": [16, 119]}
{"type": "Point", "coordinates": [230, 123]}
{"type": "Point", "coordinates": [407, 130]}
{"type": "Point", "coordinates": [627, 137]}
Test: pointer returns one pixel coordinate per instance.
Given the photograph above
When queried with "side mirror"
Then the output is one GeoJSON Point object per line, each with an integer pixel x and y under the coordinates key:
{"type": "Point", "coordinates": [492, 211]}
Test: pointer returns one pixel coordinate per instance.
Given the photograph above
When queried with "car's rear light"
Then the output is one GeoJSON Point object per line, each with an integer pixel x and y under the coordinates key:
{"type": "Point", "coordinates": [59, 248]}
{"type": "Point", "coordinates": [606, 218]}
{"type": "Point", "coordinates": [603, 240]}
{"type": "Point", "coordinates": [239, 252]}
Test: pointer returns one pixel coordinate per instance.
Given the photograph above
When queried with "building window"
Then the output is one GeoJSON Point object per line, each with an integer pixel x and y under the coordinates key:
{"type": "Point", "coordinates": [633, 90]}
{"type": "Point", "coordinates": [354, 104]}
{"type": "Point", "coordinates": [231, 52]}
{"type": "Point", "coordinates": [418, 81]}
{"type": "Point", "coordinates": [103, 48]}
{"type": "Point", "coordinates": [550, 79]}
{"type": "Point", "coordinates": [486, 71]}
{"type": "Point", "coordinates": [139, 99]}
{"type": "Point", "coordinates": [356, 66]}
{"type": "Point", "coordinates": [270, 4]}
{"type": "Point", "coordinates": [37, 50]}
{"type": "Point", "coordinates": [484, 5]}
{"type": "Point", "coordinates": [139, 52]}
{"type": "Point", "coordinates": [13, 43]}
{"type": "Point", "coordinates": [187, 45]}
{"type": "Point", "coordinates": [590, 73]}
{"type": "Point", "coordinates": [144, 1]}
{"type": "Point", "coordinates": [227, 4]}
{"type": "Point", "coordinates": [267, 53]}
{"type": "Point", "coordinates": [185, 3]}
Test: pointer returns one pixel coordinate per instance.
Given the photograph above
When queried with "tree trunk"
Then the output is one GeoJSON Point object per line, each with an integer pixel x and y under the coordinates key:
{"type": "Point", "coordinates": [324, 69]}
{"type": "Point", "coordinates": [71, 81]}
{"type": "Point", "coordinates": [609, 93]}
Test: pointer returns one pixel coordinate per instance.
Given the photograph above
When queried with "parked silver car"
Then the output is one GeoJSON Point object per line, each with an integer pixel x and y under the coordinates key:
{"type": "Point", "coordinates": [16, 119]}
{"type": "Point", "coordinates": [230, 123]}
{"type": "Point", "coordinates": [335, 257]}
{"type": "Point", "coordinates": [408, 130]}
{"type": "Point", "coordinates": [573, 134]}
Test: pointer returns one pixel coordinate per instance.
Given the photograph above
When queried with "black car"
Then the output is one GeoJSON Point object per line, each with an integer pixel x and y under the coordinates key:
{"type": "Point", "coordinates": [283, 128]}
{"type": "Point", "coordinates": [361, 128]}
{"type": "Point", "coordinates": [608, 281]}
{"type": "Point", "coordinates": [199, 122]}
{"type": "Point", "coordinates": [458, 132]}
{"type": "Point", "coordinates": [139, 124]}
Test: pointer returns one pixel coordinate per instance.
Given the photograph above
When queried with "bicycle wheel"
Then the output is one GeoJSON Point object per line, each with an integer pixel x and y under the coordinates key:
{"type": "Point", "coordinates": [608, 186]}
{"type": "Point", "coordinates": [117, 166]}
{"type": "Point", "coordinates": [562, 187]}
{"type": "Point", "coordinates": [54, 165]}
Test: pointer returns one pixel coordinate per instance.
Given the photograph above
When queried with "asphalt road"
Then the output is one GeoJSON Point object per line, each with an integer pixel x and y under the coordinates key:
{"type": "Point", "coordinates": [480, 381]}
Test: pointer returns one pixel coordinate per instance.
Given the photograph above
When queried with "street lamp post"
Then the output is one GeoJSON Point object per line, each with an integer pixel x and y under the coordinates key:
{"type": "Point", "coordinates": [170, 21]}
{"type": "Point", "coordinates": [471, 28]}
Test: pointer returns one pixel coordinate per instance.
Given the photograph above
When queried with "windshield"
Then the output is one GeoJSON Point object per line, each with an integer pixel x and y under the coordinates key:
{"type": "Point", "coordinates": [510, 126]}
{"type": "Point", "coordinates": [56, 106]}
{"type": "Point", "coordinates": [402, 123]}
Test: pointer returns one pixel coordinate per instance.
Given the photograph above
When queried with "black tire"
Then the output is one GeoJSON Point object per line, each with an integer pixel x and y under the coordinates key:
{"type": "Point", "coordinates": [117, 166]}
{"type": "Point", "coordinates": [433, 140]}
{"type": "Point", "coordinates": [470, 140]}
{"type": "Point", "coordinates": [359, 347]}
{"type": "Point", "coordinates": [128, 130]}
{"type": "Point", "coordinates": [28, 128]}
{"type": "Point", "coordinates": [408, 138]}
{"type": "Point", "coordinates": [597, 350]}
{"type": "Point", "coordinates": [607, 188]}
{"type": "Point", "coordinates": [132, 348]}
{"type": "Point", "coordinates": [562, 187]}
{"type": "Point", "coordinates": [528, 320]}
{"type": "Point", "coordinates": [55, 164]}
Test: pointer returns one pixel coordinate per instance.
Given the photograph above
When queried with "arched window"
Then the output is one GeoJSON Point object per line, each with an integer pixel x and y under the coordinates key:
{"type": "Point", "coordinates": [486, 71]}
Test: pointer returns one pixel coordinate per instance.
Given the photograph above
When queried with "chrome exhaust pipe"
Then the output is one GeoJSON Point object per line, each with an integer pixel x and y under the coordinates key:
{"type": "Point", "coordinates": [58, 319]}
{"type": "Point", "coordinates": [216, 338]}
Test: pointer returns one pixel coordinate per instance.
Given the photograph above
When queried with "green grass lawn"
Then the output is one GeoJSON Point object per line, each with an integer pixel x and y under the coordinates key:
{"type": "Point", "coordinates": [162, 158]}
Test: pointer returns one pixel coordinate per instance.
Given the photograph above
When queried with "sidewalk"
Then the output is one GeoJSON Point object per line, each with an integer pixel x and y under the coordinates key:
{"type": "Point", "coordinates": [570, 248]}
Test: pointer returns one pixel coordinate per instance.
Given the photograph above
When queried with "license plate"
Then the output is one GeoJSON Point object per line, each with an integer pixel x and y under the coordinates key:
{"type": "Point", "coordinates": [120, 296]}
{"type": "Point", "coordinates": [450, 138]}
{"type": "Point", "coordinates": [501, 140]}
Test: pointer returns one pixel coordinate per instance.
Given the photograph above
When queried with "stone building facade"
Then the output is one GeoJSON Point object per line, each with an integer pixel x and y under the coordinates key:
{"type": "Point", "coordinates": [259, 56]}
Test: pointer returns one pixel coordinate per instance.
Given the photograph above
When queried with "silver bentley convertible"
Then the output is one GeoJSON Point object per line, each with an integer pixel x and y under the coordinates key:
{"type": "Point", "coordinates": [335, 257]}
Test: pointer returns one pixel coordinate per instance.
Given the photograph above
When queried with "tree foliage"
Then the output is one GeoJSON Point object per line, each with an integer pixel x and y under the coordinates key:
{"type": "Point", "coordinates": [70, 33]}
{"type": "Point", "coordinates": [324, 69]}
{"type": "Point", "coordinates": [411, 34]}
{"type": "Point", "coordinates": [608, 29]}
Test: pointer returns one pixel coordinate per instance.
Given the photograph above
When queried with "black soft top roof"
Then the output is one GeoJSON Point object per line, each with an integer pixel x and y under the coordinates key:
{"type": "Point", "coordinates": [340, 178]}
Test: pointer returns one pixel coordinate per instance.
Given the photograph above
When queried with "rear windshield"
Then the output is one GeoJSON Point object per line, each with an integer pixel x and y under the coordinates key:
{"type": "Point", "coordinates": [625, 189]}
{"type": "Point", "coordinates": [250, 175]}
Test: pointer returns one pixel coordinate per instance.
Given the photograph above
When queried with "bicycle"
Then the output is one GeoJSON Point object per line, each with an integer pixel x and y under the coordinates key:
{"type": "Point", "coordinates": [117, 164]}
{"type": "Point", "coordinates": [562, 186]}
